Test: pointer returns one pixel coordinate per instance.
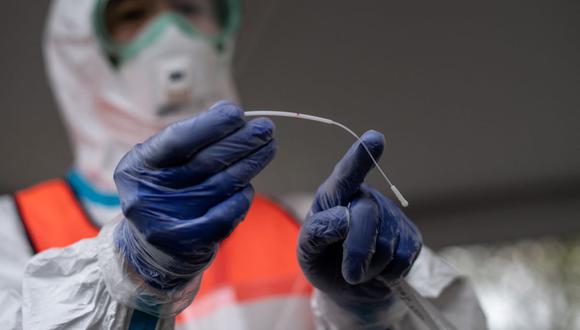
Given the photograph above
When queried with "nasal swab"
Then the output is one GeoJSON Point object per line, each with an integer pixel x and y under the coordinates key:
{"type": "Point", "coordinates": [394, 189]}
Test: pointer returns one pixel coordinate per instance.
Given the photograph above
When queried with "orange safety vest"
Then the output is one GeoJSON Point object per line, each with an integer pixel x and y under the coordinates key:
{"type": "Point", "coordinates": [258, 260]}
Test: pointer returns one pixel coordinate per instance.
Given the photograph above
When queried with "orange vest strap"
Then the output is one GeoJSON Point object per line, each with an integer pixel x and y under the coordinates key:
{"type": "Point", "coordinates": [53, 216]}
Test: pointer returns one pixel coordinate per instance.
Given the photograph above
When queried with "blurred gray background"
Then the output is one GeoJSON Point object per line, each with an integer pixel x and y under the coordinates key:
{"type": "Point", "coordinates": [479, 102]}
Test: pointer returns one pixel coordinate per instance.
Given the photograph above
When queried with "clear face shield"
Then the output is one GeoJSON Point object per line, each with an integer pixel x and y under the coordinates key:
{"type": "Point", "coordinates": [169, 58]}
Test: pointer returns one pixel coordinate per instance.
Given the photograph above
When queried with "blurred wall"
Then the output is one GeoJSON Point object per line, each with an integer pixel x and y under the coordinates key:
{"type": "Point", "coordinates": [479, 102]}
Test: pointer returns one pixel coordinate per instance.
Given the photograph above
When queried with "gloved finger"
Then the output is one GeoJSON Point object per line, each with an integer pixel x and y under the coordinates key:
{"type": "Point", "coordinates": [407, 250]}
{"type": "Point", "coordinates": [195, 200]}
{"type": "Point", "coordinates": [218, 156]}
{"type": "Point", "coordinates": [360, 242]}
{"type": "Point", "coordinates": [237, 176]}
{"type": "Point", "coordinates": [321, 230]}
{"type": "Point", "coordinates": [178, 142]}
{"type": "Point", "coordinates": [219, 222]}
{"type": "Point", "coordinates": [408, 245]}
{"type": "Point", "coordinates": [387, 237]}
{"type": "Point", "coordinates": [349, 173]}
{"type": "Point", "coordinates": [201, 233]}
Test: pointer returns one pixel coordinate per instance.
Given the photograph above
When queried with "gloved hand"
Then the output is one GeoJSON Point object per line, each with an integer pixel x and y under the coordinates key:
{"type": "Point", "coordinates": [185, 189]}
{"type": "Point", "coordinates": [354, 238]}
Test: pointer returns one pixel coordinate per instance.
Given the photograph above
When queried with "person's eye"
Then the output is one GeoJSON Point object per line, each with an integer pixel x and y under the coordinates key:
{"type": "Point", "coordinates": [189, 9]}
{"type": "Point", "coordinates": [132, 15]}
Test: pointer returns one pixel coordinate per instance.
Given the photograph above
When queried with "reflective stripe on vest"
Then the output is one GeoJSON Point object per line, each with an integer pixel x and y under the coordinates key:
{"type": "Point", "coordinates": [257, 260]}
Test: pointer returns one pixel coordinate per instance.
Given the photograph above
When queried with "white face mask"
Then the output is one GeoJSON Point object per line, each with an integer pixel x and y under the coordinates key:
{"type": "Point", "coordinates": [174, 77]}
{"type": "Point", "coordinates": [167, 73]}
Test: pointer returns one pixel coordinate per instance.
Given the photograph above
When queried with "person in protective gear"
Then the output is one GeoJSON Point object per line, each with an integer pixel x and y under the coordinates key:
{"type": "Point", "coordinates": [157, 225]}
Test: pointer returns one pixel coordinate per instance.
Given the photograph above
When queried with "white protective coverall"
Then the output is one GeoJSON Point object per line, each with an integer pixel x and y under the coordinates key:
{"type": "Point", "coordinates": [66, 288]}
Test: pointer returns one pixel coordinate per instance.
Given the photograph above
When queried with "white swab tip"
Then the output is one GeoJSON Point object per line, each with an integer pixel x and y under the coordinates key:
{"type": "Point", "coordinates": [400, 196]}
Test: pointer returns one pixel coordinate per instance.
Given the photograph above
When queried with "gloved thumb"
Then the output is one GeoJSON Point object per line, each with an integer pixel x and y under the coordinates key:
{"type": "Point", "coordinates": [349, 173]}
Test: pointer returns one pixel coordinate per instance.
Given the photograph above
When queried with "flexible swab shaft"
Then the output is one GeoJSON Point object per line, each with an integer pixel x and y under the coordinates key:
{"type": "Point", "coordinates": [298, 115]}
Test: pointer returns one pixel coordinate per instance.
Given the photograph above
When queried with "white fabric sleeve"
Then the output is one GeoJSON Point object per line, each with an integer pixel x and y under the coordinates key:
{"type": "Point", "coordinates": [15, 249]}
{"type": "Point", "coordinates": [450, 293]}
{"type": "Point", "coordinates": [10, 310]}
{"type": "Point", "coordinates": [85, 286]}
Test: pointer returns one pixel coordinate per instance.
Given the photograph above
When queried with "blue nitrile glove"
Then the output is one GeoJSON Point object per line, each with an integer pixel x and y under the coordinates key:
{"type": "Point", "coordinates": [185, 189]}
{"type": "Point", "coordinates": [354, 238]}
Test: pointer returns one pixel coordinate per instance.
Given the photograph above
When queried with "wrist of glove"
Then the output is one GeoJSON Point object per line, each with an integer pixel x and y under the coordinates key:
{"type": "Point", "coordinates": [333, 315]}
{"type": "Point", "coordinates": [127, 284]}
{"type": "Point", "coordinates": [157, 268]}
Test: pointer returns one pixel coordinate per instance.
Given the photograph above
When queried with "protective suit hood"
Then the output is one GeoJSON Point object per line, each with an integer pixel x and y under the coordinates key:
{"type": "Point", "coordinates": [108, 108]}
